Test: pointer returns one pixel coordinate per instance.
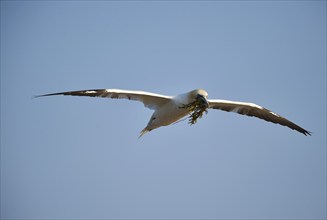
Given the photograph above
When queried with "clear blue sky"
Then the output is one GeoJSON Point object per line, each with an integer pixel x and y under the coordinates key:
{"type": "Point", "coordinates": [77, 157]}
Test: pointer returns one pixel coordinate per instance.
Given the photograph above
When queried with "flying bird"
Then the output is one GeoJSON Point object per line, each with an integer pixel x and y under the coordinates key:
{"type": "Point", "coordinates": [171, 109]}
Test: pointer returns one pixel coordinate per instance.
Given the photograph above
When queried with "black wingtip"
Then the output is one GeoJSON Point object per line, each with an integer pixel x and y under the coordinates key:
{"type": "Point", "coordinates": [36, 96]}
{"type": "Point", "coordinates": [306, 133]}
{"type": "Point", "coordinates": [50, 94]}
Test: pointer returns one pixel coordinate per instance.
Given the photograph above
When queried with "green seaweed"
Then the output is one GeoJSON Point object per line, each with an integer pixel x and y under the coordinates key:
{"type": "Point", "coordinates": [196, 110]}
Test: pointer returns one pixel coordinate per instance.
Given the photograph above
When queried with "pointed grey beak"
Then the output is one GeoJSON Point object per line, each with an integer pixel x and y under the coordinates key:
{"type": "Point", "coordinates": [203, 100]}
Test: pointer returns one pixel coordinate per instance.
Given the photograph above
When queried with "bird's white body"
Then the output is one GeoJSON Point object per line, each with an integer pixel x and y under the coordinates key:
{"type": "Point", "coordinates": [169, 113]}
{"type": "Point", "coordinates": [168, 109]}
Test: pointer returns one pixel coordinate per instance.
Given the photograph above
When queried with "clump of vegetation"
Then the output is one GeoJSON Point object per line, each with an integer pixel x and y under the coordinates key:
{"type": "Point", "coordinates": [196, 110]}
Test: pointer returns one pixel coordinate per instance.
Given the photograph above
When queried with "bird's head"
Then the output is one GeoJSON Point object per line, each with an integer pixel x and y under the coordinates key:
{"type": "Point", "coordinates": [199, 96]}
{"type": "Point", "coordinates": [198, 104]}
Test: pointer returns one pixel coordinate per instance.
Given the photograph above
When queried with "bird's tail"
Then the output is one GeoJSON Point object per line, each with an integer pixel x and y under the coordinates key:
{"type": "Point", "coordinates": [144, 131]}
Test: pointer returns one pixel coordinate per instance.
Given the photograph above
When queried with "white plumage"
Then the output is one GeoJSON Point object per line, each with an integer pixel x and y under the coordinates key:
{"type": "Point", "coordinates": [169, 109]}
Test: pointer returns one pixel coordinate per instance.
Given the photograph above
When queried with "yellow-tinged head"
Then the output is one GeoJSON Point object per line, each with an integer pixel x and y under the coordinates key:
{"type": "Point", "coordinates": [200, 97]}
{"type": "Point", "coordinates": [198, 104]}
{"type": "Point", "coordinates": [199, 92]}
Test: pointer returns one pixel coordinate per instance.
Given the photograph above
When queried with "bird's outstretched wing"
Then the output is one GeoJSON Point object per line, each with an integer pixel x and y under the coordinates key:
{"type": "Point", "coordinates": [251, 109]}
{"type": "Point", "coordinates": [150, 100]}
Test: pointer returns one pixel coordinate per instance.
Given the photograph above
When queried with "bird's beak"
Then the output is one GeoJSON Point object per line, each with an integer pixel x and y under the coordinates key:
{"type": "Point", "coordinates": [203, 100]}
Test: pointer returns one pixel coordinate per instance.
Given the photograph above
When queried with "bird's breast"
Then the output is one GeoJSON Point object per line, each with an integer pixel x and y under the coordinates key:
{"type": "Point", "coordinates": [169, 113]}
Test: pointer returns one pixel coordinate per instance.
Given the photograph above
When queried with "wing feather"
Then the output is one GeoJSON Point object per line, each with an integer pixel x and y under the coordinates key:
{"type": "Point", "coordinates": [150, 100]}
{"type": "Point", "coordinates": [254, 110]}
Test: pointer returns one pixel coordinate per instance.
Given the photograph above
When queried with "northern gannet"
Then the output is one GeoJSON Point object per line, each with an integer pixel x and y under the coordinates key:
{"type": "Point", "coordinates": [170, 109]}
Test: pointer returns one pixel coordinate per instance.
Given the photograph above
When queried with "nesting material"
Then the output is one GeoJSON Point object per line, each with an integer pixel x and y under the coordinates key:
{"type": "Point", "coordinates": [196, 110]}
